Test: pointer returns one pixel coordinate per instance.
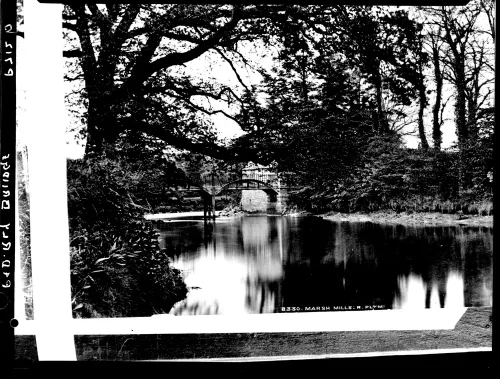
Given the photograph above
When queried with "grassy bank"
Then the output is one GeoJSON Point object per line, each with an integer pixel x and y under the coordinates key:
{"type": "Point", "coordinates": [412, 218]}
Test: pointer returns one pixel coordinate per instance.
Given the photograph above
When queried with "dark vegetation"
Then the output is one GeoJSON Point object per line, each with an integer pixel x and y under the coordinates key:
{"type": "Point", "coordinates": [347, 84]}
{"type": "Point", "coordinates": [389, 176]}
{"type": "Point", "coordinates": [117, 266]}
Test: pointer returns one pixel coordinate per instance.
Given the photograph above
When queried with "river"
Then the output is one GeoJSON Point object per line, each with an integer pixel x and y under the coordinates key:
{"type": "Point", "coordinates": [268, 264]}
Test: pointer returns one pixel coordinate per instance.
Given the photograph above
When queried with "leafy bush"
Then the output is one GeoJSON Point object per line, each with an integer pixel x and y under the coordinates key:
{"type": "Point", "coordinates": [116, 263]}
{"type": "Point", "coordinates": [393, 177]}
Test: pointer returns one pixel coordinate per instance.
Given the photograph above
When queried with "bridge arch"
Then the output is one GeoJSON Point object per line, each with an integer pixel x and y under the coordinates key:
{"type": "Point", "coordinates": [260, 188]}
{"type": "Point", "coordinates": [251, 184]}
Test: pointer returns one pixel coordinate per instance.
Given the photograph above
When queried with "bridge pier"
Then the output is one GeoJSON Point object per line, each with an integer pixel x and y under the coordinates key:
{"type": "Point", "coordinates": [254, 201]}
{"type": "Point", "coordinates": [281, 200]}
{"type": "Point", "coordinates": [209, 207]}
{"type": "Point", "coordinates": [260, 201]}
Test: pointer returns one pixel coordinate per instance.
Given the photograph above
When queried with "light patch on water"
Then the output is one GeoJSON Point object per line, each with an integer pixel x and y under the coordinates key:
{"type": "Point", "coordinates": [225, 283]}
{"type": "Point", "coordinates": [267, 270]}
{"type": "Point", "coordinates": [487, 293]}
{"type": "Point", "coordinates": [435, 303]}
{"type": "Point", "coordinates": [209, 277]}
{"type": "Point", "coordinates": [454, 290]}
{"type": "Point", "coordinates": [412, 292]}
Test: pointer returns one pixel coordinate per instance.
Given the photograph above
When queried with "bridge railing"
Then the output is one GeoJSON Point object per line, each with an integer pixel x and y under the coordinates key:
{"type": "Point", "coordinates": [266, 177]}
{"type": "Point", "coordinates": [214, 180]}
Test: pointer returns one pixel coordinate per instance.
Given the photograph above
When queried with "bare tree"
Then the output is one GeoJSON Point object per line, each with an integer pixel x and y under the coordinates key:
{"type": "Point", "coordinates": [488, 7]}
{"type": "Point", "coordinates": [422, 97]}
{"type": "Point", "coordinates": [435, 46]}
{"type": "Point", "coordinates": [461, 56]}
{"type": "Point", "coordinates": [479, 77]}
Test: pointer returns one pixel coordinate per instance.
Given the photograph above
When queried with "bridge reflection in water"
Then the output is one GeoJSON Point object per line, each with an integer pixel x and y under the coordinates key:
{"type": "Point", "coordinates": [261, 264]}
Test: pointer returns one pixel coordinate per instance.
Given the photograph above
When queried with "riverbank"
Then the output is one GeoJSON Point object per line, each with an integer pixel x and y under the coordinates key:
{"type": "Point", "coordinates": [381, 217]}
{"type": "Point", "coordinates": [417, 218]}
{"type": "Point", "coordinates": [177, 215]}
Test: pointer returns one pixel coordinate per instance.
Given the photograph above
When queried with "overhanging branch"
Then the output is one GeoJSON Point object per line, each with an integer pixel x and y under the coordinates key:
{"type": "Point", "coordinates": [75, 53]}
{"type": "Point", "coordinates": [177, 58]}
{"type": "Point", "coordinates": [232, 67]}
{"type": "Point", "coordinates": [206, 148]}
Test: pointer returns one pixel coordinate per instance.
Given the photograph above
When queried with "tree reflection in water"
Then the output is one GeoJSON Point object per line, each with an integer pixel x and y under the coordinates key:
{"type": "Point", "coordinates": [259, 264]}
{"type": "Point", "coordinates": [415, 294]}
{"type": "Point", "coordinates": [264, 244]}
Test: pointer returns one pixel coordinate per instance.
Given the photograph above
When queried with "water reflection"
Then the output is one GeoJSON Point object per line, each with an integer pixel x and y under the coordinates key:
{"type": "Point", "coordinates": [434, 298]}
{"type": "Point", "coordinates": [414, 293]}
{"type": "Point", "coordinates": [454, 290]}
{"type": "Point", "coordinates": [262, 264]}
{"type": "Point", "coordinates": [263, 245]}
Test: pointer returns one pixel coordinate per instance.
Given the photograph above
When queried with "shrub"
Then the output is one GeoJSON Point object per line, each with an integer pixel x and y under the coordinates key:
{"type": "Point", "coordinates": [116, 263]}
{"type": "Point", "coordinates": [393, 177]}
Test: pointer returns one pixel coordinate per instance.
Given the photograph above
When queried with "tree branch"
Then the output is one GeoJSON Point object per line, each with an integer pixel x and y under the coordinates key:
{"type": "Point", "coordinates": [190, 104]}
{"type": "Point", "coordinates": [210, 113]}
{"type": "Point", "coordinates": [66, 16]}
{"type": "Point", "coordinates": [181, 37]}
{"type": "Point", "coordinates": [232, 67]}
{"type": "Point", "coordinates": [75, 53]}
{"type": "Point", "coordinates": [480, 104]}
{"type": "Point", "coordinates": [176, 58]}
{"type": "Point", "coordinates": [70, 26]}
{"type": "Point", "coordinates": [101, 20]}
{"type": "Point", "coordinates": [121, 32]}
{"type": "Point", "coordinates": [189, 91]}
{"type": "Point", "coordinates": [206, 148]}
{"type": "Point", "coordinates": [146, 54]}
{"type": "Point", "coordinates": [89, 63]}
{"type": "Point", "coordinates": [113, 10]}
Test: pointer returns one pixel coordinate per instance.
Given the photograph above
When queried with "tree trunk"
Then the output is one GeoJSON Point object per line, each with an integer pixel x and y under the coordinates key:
{"type": "Point", "coordinates": [461, 125]}
{"type": "Point", "coordinates": [382, 125]}
{"type": "Point", "coordinates": [303, 75]}
{"type": "Point", "coordinates": [460, 109]}
{"type": "Point", "coordinates": [472, 119]}
{"type": "Point", "coordinates": [422, 104]}
{"type": "Point", "coordinates": [437, 135]}
{"type": "Point", "coordinates": [473, 107]}
{"type": "Point", "coordinates": [102, 123]}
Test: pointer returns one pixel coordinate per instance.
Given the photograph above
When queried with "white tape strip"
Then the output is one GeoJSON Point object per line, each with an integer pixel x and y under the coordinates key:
{"type": "Point", "coordinates": [47, 179]}
{"type": "Point", "coordinates": [426, 319]}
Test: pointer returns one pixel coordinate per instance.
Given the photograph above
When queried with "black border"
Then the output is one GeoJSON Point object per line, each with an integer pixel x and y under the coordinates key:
{"type": "Point", "coordinates": [477, 361]}
{"type": "Point", "coordinates": [344, 2]}
{"type": "Point", "coordinates": [8, 25]}
{"type": "Point", "coordinates": [477, 364]}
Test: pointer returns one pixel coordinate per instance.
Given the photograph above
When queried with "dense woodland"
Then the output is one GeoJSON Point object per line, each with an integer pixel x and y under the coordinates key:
{"type": "Point", "coordinates": [346, 85]}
